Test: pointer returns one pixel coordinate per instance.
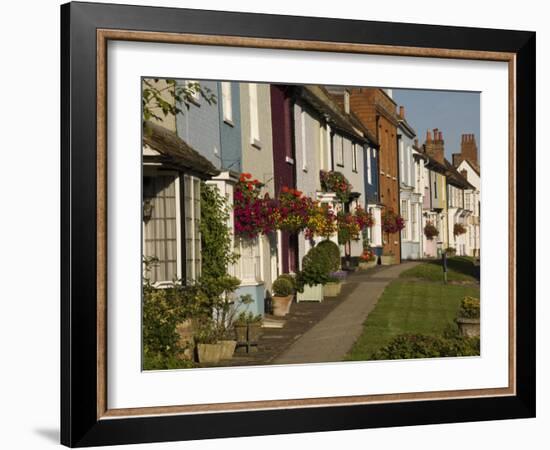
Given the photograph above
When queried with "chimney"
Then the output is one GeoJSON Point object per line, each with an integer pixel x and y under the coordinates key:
{"type": "Point", "coordinates": [468, 148]}
{"type": "Point", "coordinates": [402, 112]}
{"type": "Point", "coordinates": [434, 149]}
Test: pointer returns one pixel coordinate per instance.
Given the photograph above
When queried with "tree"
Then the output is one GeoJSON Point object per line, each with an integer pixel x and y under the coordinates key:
{"type": "Point", "coordinates": [155, 105]}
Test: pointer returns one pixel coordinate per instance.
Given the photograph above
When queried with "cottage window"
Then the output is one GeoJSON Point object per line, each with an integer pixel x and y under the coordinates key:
{"type": "Point", "coordinates": [254, 119]}
{"type": "Point", "coordinates": [249, 266]}
{"type": "Point", "coordinates": [435, 187]}
{"type": "Point", "coordinates": [354, 158]}
{"type": "Point", "coordinates": [340, 151]}
{"type": "Point", "coordinates": [192, 214]}
{"type": "Point", "coordinates": [227, 105]}
{"type": "Point", "coordinates": [369, 175]}
{"type": "Point", "coordinates": [160, 237]}
{"type": "Point", "coordinates": [303, 129]}
{"type": "Point", "coordinates": [414, 221]}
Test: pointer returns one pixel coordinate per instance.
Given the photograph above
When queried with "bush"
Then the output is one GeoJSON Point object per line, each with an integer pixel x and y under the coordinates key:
{"type": "Point", "coordinates": [333, 253]}
{"type": "Point", "coordinates": [408, 346]}
{"type": "Point", "coordinates": [291, 278]}
{"type": "Point", "coordinates": [469, 308]}
{"type": "Point", "coordinates": [282, 287]}
{"type": "Point", "coordinates": [315, 269]}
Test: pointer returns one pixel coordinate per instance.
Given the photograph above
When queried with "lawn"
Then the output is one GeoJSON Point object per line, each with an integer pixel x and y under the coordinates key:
{"type": "Point", "coordinates": [410, 307]}
{"type": "Point", "coordinates": [460, 268]}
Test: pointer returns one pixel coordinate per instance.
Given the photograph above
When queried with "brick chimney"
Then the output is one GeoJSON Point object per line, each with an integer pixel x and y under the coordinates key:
{"type": "Point", "coordinates": [435, 148]}
{"type": "Point", "coordinates": [402, 112]}
{"type": "Point", "coordinates": [468, 148]}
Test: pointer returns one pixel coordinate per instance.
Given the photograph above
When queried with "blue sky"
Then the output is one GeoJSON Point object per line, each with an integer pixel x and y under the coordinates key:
{"type": "Point", "coordinates": [452, 112]}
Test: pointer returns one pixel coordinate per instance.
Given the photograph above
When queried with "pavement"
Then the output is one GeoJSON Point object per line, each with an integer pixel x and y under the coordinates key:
{"type": "Point", "coordinates": [333, 336]}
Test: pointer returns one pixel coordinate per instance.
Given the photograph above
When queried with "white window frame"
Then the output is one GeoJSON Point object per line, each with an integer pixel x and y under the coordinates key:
{"type": "Point", "coordinates": [354, 157]}
{"type": "Point", "coordinates": [369, 173]}
{"type": "Point", "coordinates": [254, 115]}
{"type": "Point", "coordinates": [340, 152]}
{"type": "Point", "coordinates": [227, 102]}
{"type": "Point", "coordinates": [303, 117]}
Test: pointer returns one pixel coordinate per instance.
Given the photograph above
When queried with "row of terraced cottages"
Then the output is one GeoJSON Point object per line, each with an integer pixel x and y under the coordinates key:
{"type": "Point", "coordinates": [285, 136]}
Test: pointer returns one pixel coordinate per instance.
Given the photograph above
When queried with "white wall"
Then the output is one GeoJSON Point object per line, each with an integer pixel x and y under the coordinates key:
{"type": "Point", "coordinates": [30, 387]}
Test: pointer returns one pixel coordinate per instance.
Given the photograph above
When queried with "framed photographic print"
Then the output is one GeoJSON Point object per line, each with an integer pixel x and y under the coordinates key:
{"type": "Point", "coordinates": [276, 224]}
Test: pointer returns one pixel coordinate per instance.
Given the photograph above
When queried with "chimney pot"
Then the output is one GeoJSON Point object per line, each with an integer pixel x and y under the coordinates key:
{"type": "Point", "coordinates": [402, 112]}
{"type": "Point", "coordinates": [428, 136]}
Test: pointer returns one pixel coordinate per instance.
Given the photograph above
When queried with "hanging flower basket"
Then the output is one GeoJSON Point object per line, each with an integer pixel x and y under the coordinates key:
{"type": "Point", "coordinates": [336, 182]}
{"type": "Point", "coordinates": [321, 222]}
{"type": "Point", "coordinates": [363, 218]}
{"type": "Point", "coordinates": [348, 228]}
{"type": "Point", "coordinates": [392, 222]}
{"type": "Point", "coordinates": [430, 231]}
{"type": "Point", "coordinates": [293, 210]}
{"type": "Point", "coordinates": [459, 229]}
{"type": "Point", "coordinates": [253, 214]}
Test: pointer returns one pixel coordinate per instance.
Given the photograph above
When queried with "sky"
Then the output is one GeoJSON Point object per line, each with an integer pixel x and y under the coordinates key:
{"type": "Point", "coordinates": [452, 112]}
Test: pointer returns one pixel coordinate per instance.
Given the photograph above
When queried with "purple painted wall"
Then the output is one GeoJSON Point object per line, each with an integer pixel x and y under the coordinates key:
{"type": "Point", "coordinates": [283, 162]}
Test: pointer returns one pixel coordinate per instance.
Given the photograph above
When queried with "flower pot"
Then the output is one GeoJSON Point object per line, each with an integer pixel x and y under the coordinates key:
{"type": "Point", "coordinates": [228, 348]}
{"type": "Point", "coordinates": [311, 294]}
{"type": "Point", "coordinates": [209, 353]}
{"type": "Point", "coordinates": [254, 332]}
{"type": "Point", "coordinates": [332, 289]}
{"type": "Point", "coordinates": [281, 305]}
{"type": "Point", "coordinates": [240, 332]}
{"type": "Point", "coordinates": [387, 260]}
{"type": "Point", "coordinates": [364, 265]}
{"type": "Point", "coordinates": [468, 327]}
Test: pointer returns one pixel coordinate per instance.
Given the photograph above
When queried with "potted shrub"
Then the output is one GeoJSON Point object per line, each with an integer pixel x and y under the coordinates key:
{"type": "Point", "coordinates": [209, 351]}
{"type": "Point", "coordinates": [468, 317]}
{"type": "Point", "coordinates": [387, 258]}
{"type": "Point", "coordinates": [315, 272]}
{"type": "Point", "coordinates": [334, 285]}
{"type": "Point", "coordinates": [283, 292]}
{"type": "Point", "coordinates": [459, 229]}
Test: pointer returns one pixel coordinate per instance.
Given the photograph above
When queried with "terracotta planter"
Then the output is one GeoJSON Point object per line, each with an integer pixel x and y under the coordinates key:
{"type": "Point", "coordinates": [281, 305]}
{"type": "Point", "coordinates": [468, 327]}
{"type": "Point", "coordinates": [387, 260]}
{"type": "Point", "coordinates": [254, 332]}
{"type": "Point", "coordinates": [311, 294]}
{"type": "Point", "coordinates": [240, 333]}
{"type": "Point", "coordinates": [228, 348]}
{"type": "Point", "coordinates": [209, 353]}
{"type": "Point", "coordinates": [332, 289]}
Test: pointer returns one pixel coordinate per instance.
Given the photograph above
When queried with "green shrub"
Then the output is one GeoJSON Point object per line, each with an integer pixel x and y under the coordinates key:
{"type": "Point", "coordinates": [163, 310]}
{"type": "Point", "coordinates": [157, 361]}
{"type": "Point", "coordinates": [291, 278]}
{"type": "Point", "coordinates": [408, 346]}
{"type": "Point", "coordinates": [282, 287]}
{"type": "Point", "coordinates": [315, 269]}
{"type": "Point", "coordinates": [333, 253]}
{"type": "Point", "coordinates": [245, 318]}
{"type": "Point", "coordinates": [469, 308]}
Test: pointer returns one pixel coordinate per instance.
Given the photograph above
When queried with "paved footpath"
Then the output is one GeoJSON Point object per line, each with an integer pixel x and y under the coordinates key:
{"type": "Point", "coordinates": [332, 338]}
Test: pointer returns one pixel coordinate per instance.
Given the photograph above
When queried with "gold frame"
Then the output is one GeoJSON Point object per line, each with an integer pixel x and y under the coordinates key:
{"type": "Point", "coordinates": [103, 36]}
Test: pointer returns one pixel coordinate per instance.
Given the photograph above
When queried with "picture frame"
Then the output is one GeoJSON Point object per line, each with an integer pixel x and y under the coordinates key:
{"type": "Point", "coordinates": [86, 419]}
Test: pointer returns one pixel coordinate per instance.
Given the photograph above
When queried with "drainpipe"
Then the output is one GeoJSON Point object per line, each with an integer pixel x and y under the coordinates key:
{"type": "Point", "coordinates": [397, 138]}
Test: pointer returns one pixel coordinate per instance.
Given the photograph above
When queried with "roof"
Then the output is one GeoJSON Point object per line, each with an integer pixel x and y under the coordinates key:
{"type": "Point", "coordinates": [320, 99]}
{"type": "Point", "coordinates": [474, 167]}
{"type": "Point", "coordinates": [454, 177]}
{"type": "Point", "coordinates": [175, 151]}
